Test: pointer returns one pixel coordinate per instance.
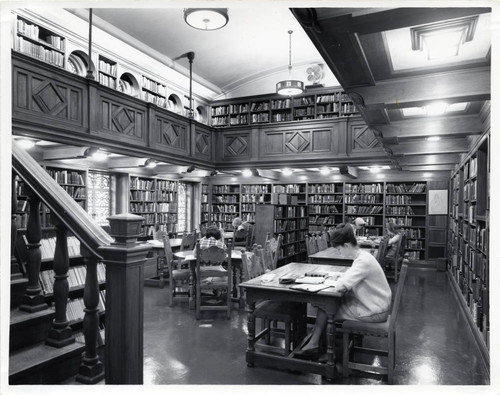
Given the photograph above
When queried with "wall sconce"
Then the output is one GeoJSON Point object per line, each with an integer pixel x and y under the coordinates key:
{"type": "Point", "coordinates": [96, 154]}
{"type": "Point", "coordinates": [150, 163]}
{"type": "Point", "coordinates": [26, 143]}
{"type": "Point", "coordinates": [213, 173]}
{"type": "Point", "coordinates": [190, 169]}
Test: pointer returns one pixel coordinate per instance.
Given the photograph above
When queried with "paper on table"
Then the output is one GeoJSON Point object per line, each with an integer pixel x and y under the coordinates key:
{"type": "Point", "coordinates": [309, 287]}
{"type": "Point", "coordinates": [309, 280]}
{"type": "Point", "coordinates": [268, 277]}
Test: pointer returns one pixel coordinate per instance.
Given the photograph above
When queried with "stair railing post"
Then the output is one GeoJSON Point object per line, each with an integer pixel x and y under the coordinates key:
{"type": "Point", "coordinates": [13, 224]}
{"type": "Point", "coordinates": [60, 334]}
{"type": "Point", "coordinates": [124, 260]}
{"type": "Point", "coordinates": [91, 369]}
{"type": "Point", "coordinates": [33, 300]}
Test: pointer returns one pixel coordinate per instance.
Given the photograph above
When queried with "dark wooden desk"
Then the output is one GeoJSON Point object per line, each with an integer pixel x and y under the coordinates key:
{"type": "Point", "coordinates": [327, 299]}
{"type": "Point", "coordinates": [331, 256]}
{"type": "Point", "coordinates": [236, 269]}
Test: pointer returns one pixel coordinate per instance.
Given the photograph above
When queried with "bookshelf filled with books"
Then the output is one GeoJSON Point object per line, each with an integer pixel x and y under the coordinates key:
{"type": "Point", "coordinates": [38, 42]}
{"type": "Point", "coordinates": [325, 203]}
{"type": "Point", "coordinates": [107, 72]}
{"type": "Point", "coordinates": [406, 205]}
{"type": "Point", "coordinates": [320, 104]}
{"type": "Point", "coordinates": [290, 193]}
{"type": "Point", "coordinates": [468, 238]}
{"type": "Point", "coordinates": [225, 206]}
{"type": "Point", "coordinates": [205, 205]}
{"type": "Point", "coordinates": [365, 200]}
{"type": "Point", "coordinates": [166, 205]}
{"type": "Point", "coordinates": [251, 195]}
{"type": "Point", "coordinates": [142, 199]}
{"type": "Point", "coordinates": [153, 92]}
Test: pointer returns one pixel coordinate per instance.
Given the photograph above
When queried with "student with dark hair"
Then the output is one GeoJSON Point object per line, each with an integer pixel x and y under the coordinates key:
{"type": "Point", "coordinates": [212, 237]}
{"type": "Point", "coordinates": [367, 293]}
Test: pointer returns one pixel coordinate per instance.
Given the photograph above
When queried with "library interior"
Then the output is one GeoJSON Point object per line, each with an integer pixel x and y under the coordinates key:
{"type": "Point", "coordinates": [248, 195]}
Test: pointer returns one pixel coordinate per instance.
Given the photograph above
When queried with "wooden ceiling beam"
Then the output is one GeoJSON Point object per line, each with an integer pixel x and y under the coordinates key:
{"type": "Point", "coordinates": [429, 168]}
{"type": "Point", "coordinates": [452, 126]}
{"type": "Point", "coordinates": [431, 147]}
{"type": "Point", "coordinates": [435, 159]}
{"type": "Point", "coordinates": [465, 85]}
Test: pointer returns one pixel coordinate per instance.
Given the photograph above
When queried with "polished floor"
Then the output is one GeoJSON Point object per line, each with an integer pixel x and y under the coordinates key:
{"type": "Point", "coordinates": [434, 345]}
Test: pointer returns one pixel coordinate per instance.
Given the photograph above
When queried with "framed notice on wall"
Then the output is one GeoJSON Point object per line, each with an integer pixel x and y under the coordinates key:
{"type": "Point", "coordinates": [438, 202]}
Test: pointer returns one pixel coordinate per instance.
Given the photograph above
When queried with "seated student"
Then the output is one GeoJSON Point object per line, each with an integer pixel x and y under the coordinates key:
{"type": "Point", "coordinates": [367, 293]}
{"type": "Point", "coordinates": [212, 237]}
{"type": "Point", "coordinates": [393, 236]}
{"type": "Point", "coordinates": [358, 225]}
{"type": "Point", "coordinates": [239, 224]}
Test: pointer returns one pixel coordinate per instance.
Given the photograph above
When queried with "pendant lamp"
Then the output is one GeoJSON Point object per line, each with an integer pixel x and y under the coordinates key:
{"type": "Point", "coordinates": [290, 87]}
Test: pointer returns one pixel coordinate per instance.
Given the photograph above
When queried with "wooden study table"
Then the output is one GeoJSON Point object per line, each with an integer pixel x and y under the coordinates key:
{"type": "Point", "coordinates": [332, 256]}
{"type": "Point", "coordinates": [328, 299]}
{"type": "Point", "coordinates": [187, 255]}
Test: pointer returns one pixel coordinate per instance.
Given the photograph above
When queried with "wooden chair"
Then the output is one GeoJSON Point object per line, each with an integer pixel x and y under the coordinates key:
{"type": "Point", "coordinates": [292, 315]}
{"type": "Point", "coordinates": [311, 246]}
{"type": "Point", "coordinates": [398, 258]}
{"type": "Point", "coordinates": [322, 241]}
{"type": "Point", "coordinates": [271, 252]}
{"type": "Point", "coordinates": [210, 275]}
{"type": "Point", "coordinates": [352, 329]}
{"type": "Point", "coordinates": [245, 238]}
{"type": "Point", "coordinates": [188, 241]}
{"type": "Point", "coordinates": [179, 278]}
{"type": "Point", "coordinates": [330, 236]}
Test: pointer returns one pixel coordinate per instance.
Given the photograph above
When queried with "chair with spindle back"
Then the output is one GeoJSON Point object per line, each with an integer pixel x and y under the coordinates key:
{"type": "Point", "coordinates": [188, 241]}
{"type": "Point", "coordinates": [293, 315]}
{"type": "Point", "coordinates": [179, 278]}
{"type": "Point", "coordinates": [397, 260]}
{"type": "Point", "coordinates": [311, 246]}
{"type": "Point", "coordinates": [271, 252]}
{"type": "Point", "coordinates": [322, 241]}
{"type": "Point", "coordinates": [361, 330]}
{"type": "Point", "coordinates": [211, 275]}
{"type": "Point", "coordinates": [243, 238]}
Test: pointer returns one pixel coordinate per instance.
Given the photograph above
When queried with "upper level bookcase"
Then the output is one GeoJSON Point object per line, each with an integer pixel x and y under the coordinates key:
{"type": "Point", "coordinates": [107, 72]}
{"type": "Point", "coordinates": [154, 92]}
{"type": "Point", "coordinates": [321, 104]}
{"type": "Point", "coordinates": [39, 42]}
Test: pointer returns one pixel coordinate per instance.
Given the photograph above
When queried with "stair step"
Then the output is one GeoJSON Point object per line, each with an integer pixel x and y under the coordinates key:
{"type": "Point", "coordinates": [17, 289]}
{"type": "Point", "coordinates": [42, 364]}
{"type": "Point", "coordinates": [28, 328]}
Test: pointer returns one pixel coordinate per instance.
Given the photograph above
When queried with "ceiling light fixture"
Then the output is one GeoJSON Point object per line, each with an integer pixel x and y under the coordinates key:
{"type": "Point", "coordinates": [26, 143]}
{"type": "Point", "coordinates": [290, 87]}
{"type": "Point", "coordinates": [246, 172]}
{"type": "Point", "coordinates": [150, 163]}
{"type": "Point", "coordinates": [95, 153]}
{"type": "Point", "coordinates": [324, 171]}
{"type": "Point", "coordinates": [206, 18]}
{"type": "Point", "coordinates": [437, 108]}
{"type": "Point", "coordinates": [375, 169]}
{"type": "Point", "coordinates": [303, 177]}
{"type": "Point", "coordinates": [287, 172]}
{"type": "Point", "coordinates": [433, 138]}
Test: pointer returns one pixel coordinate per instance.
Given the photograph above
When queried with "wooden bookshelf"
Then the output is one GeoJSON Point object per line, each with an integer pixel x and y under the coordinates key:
{"type": "Point", "coordinates": [38, 42]}
{"type": "Point", "coordinates": [468, 238]}
{"type": "Point", "coordinates": [107, 72]}
{"type": "Point", "coordinates": [225, 205]}
{"type": "Point", "coordinates": [325, 202]}
{"type": "Point", "coordinates": [205, 205]}
{"type": "Point", "coordinates": [365, 200]}
{"type": "Point", "coordinates": [324, 103]}
{"type": "Point", "coordinates": [287, 220]}
{"type": "Point", "coordinates": [153, 92]}
{"type": "Point", "coordinates": [251, 195]}
{"type": "Point", "coordinates": [143, 202]}
{"type": "Point", "coordinates": [406, 205]}
{"type": "Point", "coordinates": [297, 193]}
{"type": "Point", "coordinates": [166, 205]}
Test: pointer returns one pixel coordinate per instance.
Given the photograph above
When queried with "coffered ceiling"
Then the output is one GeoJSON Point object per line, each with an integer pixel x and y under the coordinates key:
{"type": "Point", "coordinates": [409, 89]}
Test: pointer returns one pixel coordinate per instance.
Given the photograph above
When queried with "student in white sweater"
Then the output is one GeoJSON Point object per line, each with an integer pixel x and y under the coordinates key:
{"type": "Point", "coordinates": [367, 294]}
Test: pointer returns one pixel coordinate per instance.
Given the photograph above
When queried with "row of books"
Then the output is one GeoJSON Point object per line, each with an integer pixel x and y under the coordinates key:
{"type": "Point", "coordinates": [301, 112]}
{"type": "Point", "coordinates": [363, 188]}
{"type": "Point", "coordinates": [238, 108]}
{"type": "Point", "coordinates": [261, 117]}
{"type": "Point", "coordinates": [76, 277]}
{"type": "Point", "coordinates": [369, 220]}
{"type": "Point", "coordinates": [255, 189]}
{"type": "Point", "coordinates": [364, 210]}
{"type": "Point", "coordinates": [326, 108]}
{"type": "Point", "coordinates": [225, 208]}
{"type": "Point", "coordinates": [326, 199]}
{"type": "Point", "coordinates": [204, 207]}
{"type": "Point", "coordinates": [226, 189]}
{"type": "Point", "coordinates": [166, 218]}
{"type": "Point", "coordinates": [167, 207]}
{"type": "Point", "coordinates": [322, 220]}
{"type": "Point", "coordinates": [75, 307]}
{"type": "Point", "coordinates": [324, 188]}
{"type": "Point", "coordinates": [164, 185]}
{"type": "Point", "coordinates": [414, 255]}
{"type": "Point", "coordinates": [238, 119]}
{"type": "Point", "coordinates": [139, 183]}
{"type": "Point", "coordinates": [154, 86]}
{"type": "Point", "coordinates": [399, 210]}
{"type": "Point", "coordinates": [220, 110]}
{"type": "Point", "coordinates": [322, 209]}
{"type": "Point", "coordinates": [48, 246]}
{"type": "Point", "coordinates": [107, 67]}
{"type": "Point", "coordinates": [219, 121]}
{"type": "Point", "coordinates": [398, 199]}
{"type": "Point", "coordinates": [303, 101]}
{"type": "Point", "coordinates": [169, 227]}
{"type": "Point", "coordinates": [166, 196]}
{"type": "Point", "coordinates": [404, 188]}
{"type": "Point", "coordinates": [414, 233]}
{"type": "Point", "coordinates": [142, 207]}
{"type": "Point", "coordinates": [282, 117]}
{"type": "Point", "coordinates": [363, 198]}
{"type": "Point", "coordinates": [280, 104]}
{"type": "Point", "coordinates": [255, 198]}
{"type": "Point", "coordinates": [66, 177]}
{"type": "Point", "coordinates": [260, 106]}
{"type": "Point", "coordinates": [290, 211]}
{"type": "Point", "coordinates": [226, 217]}
{"type": "Point", "coordinates": [348, 108]}
{"type": "Point", "coordinates": [334, 97]}
{"type": "Point", "coordinates": [108, 81]}
{"type": "Point", "coordinates": [148, 218]}
{"type": "Point", "coordinates": [248, 207]}
{"type": "Point", "coordinates": [248, 217]}
{"type": "Point", "coordinates": [401, 221]}
{"type": "Point", "coordinates": [143, 195]}
{"type": "Point", "coordinates": [414, 244]}
{"type": "Point", "coordinates": [159, 101]}
{"type": "Point", "coordinates": [290, 188]}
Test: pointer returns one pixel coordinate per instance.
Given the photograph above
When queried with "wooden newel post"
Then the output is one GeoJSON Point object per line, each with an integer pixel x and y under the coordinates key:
{"type": "Point", "coordinates": [124, 260]}
{"type": "Point", "coordinates": [33, 300]}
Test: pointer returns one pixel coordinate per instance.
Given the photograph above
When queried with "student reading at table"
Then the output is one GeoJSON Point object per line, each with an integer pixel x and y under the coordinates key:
{"type": "Point", "coordinates": [393, 237]}
{"type": "Point", "coordinates": [213, 237]}
{"type": "Point", "coordinates": [367, 295]}
{"type": "Point", "coordinates": [239, 225]}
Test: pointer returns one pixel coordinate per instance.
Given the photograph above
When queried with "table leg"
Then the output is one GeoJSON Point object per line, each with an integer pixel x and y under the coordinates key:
{"type": "Point", "coordinates": [235, 284]}
{"type": "Point", "coordinates": [251, 333]}
{"type": "Point", "coordinates": [330, 351]}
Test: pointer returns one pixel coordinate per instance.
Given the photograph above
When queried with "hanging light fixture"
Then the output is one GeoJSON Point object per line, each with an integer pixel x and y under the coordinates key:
{"type": "Point", "coordinates": [290, 87]}
{"type": "Point", "coordinates": [206, 18]}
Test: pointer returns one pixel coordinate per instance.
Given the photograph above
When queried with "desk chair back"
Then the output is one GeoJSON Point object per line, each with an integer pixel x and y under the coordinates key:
{"type": "Point", "coordinates": [311, 245]}
{"type": "Point", "coordinates": [210, 274]}
{"type": "Point", "coordinates": [330, 236]}
{"type": "Point", "coordinates": [159, 235]}
{"type": "Point", "coordinates": [271, 252]}
{"type": "Point", "coordinates": [252, 263]}
{"type": "Point", "coordinates": [178, 277]}
{"type": "Point", "coordinates": [322, 241]}
{"type": "Point", "coordinates": [188, 241]}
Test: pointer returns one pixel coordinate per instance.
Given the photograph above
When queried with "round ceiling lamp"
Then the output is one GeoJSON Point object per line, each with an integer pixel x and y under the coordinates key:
{"type": "Point", "coordinates": [206, 18]}
{"type": "Point", "coordinates": [290, 87]}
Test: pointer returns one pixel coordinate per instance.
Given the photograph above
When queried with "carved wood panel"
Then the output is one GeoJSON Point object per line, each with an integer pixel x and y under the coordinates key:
{"type": "Point", "coordinates": [236, 146]}
{"type": "Point", "coordinates": [298, 142]}
{"type": "Point", "coordinates": [41, 97]}
{"type": "Point", "coordinates": [171, 135]}
{"type": "Point", "coordinates": [363, 138]}
{"type": "Point", "coordinates": [122, 121]}
{"type": "Point", "coordinates": [202, 144]}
